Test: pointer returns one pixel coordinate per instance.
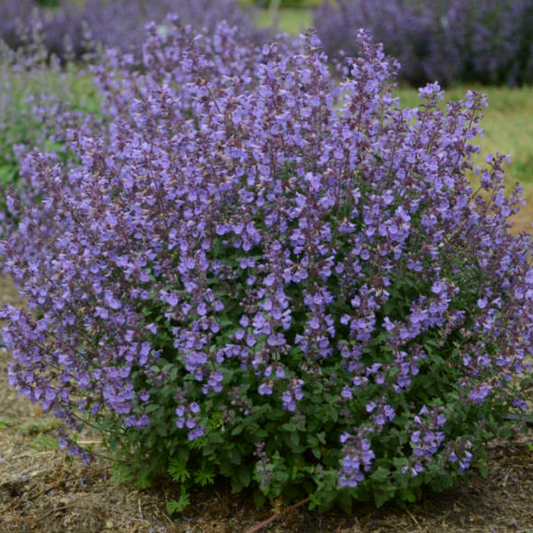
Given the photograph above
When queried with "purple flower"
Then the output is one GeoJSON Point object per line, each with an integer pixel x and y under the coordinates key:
{"type": "Point", "coordinates": [347, 393]}
{"type": "Point", "coordinates": [439, 287]}
{"type": "Point", "coordinates": [480, 392]}
{"type": "Point", "coordinates": [111, 301]}
{"type": "Point", "coordinates": [370, 406]}
{"type": "Point", "coordinates": [265, 389]}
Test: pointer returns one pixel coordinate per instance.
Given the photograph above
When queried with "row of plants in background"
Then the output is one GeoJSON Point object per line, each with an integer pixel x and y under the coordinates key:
{"type": "Point", "coordinates": [486, 41]}
{"type": "Point", "coordinates": [71, 28]}
{"type": "Point", "coordinates": [245, 269]}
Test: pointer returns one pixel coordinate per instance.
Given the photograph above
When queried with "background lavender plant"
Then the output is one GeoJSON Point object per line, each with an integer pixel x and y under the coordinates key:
{"type": "Point", "coordinates": [73, 29]}
{"type": "Point", "coordinates": [405, 29]}
{"type": "Point", "coordinates": [253, 272]}
{"type": "Point", "coordinates": [450, 41]}
{"type": "Point", "coordinates": [120, 23]}
{"type": "Point", "coordinates": [484, 42]}
{"type": "Point", "coordinates": [25, 22]}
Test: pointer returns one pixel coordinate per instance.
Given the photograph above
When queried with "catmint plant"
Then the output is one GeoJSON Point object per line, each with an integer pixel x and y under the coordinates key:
{"type": "Point", "coordinates": [260, 274]}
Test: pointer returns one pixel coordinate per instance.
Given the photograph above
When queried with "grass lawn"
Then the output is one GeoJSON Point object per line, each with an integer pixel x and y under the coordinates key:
{"type": "Point", "coordinates": [290, 20]}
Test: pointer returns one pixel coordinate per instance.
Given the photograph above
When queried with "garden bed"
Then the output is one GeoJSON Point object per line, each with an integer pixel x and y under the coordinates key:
{"type": "Point", "coordinates": [42, 491]}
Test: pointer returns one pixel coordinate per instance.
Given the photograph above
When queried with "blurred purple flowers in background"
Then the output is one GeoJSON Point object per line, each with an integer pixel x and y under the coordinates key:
{"type": "Point", "coordinates": [482, 41]}
{"type": "Point", "coordinates": [75, 28]}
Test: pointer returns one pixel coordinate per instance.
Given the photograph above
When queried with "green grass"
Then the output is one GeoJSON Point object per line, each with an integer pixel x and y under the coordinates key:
{"type": "Point", "coordinates": [290, 20]}
{"type": "Point", "coordinates": [39, 426]}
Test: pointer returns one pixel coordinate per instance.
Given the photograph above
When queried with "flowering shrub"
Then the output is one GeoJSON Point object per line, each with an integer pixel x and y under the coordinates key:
{"type": "Point", "coordinates": [451, 41]}
{"type": "Point", "coordinates": [259, 275]}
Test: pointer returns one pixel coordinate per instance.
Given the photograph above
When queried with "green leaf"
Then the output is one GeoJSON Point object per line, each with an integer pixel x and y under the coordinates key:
{"type": "Point", "coordinates": [380, 497]}
{"type": "Point", "coordinates": [383, 494]}
{"type": "Point", "coordinates": [177, 506]}
{"type": "Point", "coordinates": [161, 429]}
{"type": "Point", "coordinates": [178, 471]}
{"type": "Point", "coordinates": [381, 475]}
{"type": "Point", "coordinates": [217, 438]}
{"type": "Point", "coordinates": [282, 476]}
{"type": "Point", "coordinates": [204, 478]}
{"type": "Point", "coordinates": [245, 476]}
{"type": "Point", "coordinates": [482, 463]}
{"type": "Point", "coordinates": [408, 496]}
{"type": "Point", "coordinates": [289, 427]}
{"type": "Point", "coordinates": [259, 498]}
{"type": "Point", "coordinates": [183, 454]}
{"type": "Point", "coordinates": [235, 456]}
{"type": "Point", "coordinates": [295, 437]}
{"type": "Point", "coordinates": [345, 501]}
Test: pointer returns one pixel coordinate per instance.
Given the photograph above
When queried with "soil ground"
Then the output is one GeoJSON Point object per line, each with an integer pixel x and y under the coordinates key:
{"type": "Point", "coordinates": [43, 491]}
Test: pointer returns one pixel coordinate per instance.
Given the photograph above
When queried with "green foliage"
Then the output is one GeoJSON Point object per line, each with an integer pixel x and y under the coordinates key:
{"type": "Point", "coordinates": [179, 505]}
{"type": "Point", "coordinates": [177, 470]}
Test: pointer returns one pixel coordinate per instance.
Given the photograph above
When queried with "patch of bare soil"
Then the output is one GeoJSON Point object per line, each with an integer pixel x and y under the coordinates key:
{"type": "Point", "coordinates": [43, 491]}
